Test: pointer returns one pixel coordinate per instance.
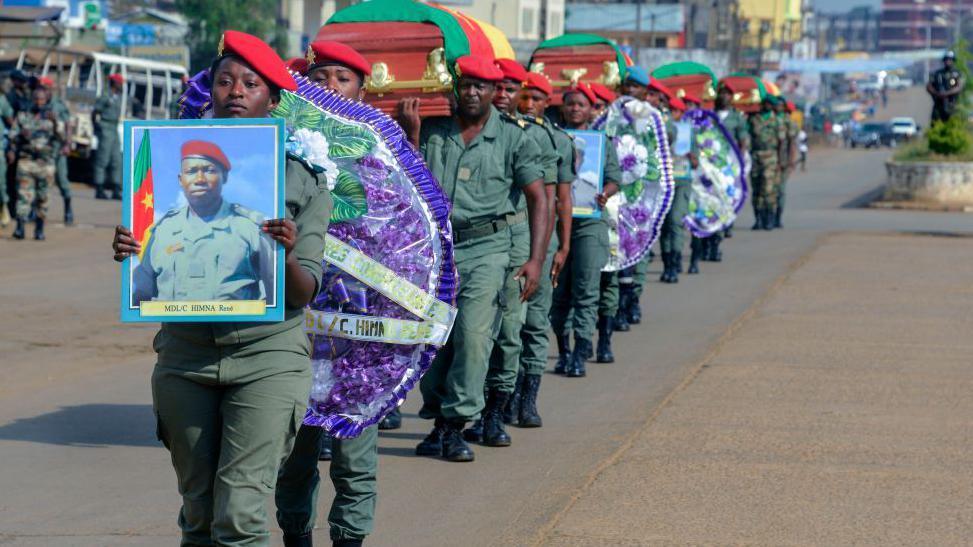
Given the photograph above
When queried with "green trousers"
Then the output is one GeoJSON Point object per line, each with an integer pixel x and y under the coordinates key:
{"type": "Point", "coordinates": [608, 303]}
{"type": "Point", "coordinates": [533, 335]}
{"type": "Point", "coordinates": [34, 177]}
{"type": "Point", "coordinates": [765, 180]}
{"type": "Point", "coordinates": [108, 161]}
{"type": "Point", "coordinates": [354, 473]}
{"type": "Point", "coordinates": [782, 190]}
{"type": "Point", "coordinates": [229, 415]}
{"type": "Point", "coordinates": [639, 272]}
{"type": "Point", "coordinates": [672, 238]}
{"type": "Point", "coordinates": [453, 386]}
{"type": "Point", "coordinates": [3, 177]}
{"type": "Point", "coordinates": [505, 356]}
{"type": "Point", "coordinates": [575, 306]}
{"type": "Point", "coordinates": [62, 176]}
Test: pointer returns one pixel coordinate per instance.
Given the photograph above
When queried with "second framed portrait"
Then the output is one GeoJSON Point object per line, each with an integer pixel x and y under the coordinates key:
{"type": "Point", "coordinates": [196, 194]}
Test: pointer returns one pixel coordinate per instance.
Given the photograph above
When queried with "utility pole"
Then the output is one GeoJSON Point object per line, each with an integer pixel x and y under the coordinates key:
{"type": "Point", "coordinates": [638, 32]}
{"type": "Point", "coordinates": [762, 31]}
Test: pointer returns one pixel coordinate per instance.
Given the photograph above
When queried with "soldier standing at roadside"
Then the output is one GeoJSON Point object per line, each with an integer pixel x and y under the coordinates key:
{"type": "Point", "coordinates": [108, 157]}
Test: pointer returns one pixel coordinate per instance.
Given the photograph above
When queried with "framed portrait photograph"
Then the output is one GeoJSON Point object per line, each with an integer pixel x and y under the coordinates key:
{"type": "Point", "coordinates": [195, 195]}
{"type": "Point", "coordinates": [589, 157]}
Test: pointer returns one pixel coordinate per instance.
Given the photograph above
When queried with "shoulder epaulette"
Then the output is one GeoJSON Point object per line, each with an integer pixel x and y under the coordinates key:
{"type": "Point", "coordinates": [249, 214]}
{"type": "Point", "coordinates": [519, 121]}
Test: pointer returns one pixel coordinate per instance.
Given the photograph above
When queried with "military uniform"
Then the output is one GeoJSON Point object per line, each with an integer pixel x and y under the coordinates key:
{"type": "Point", "coordinates": [576, 297]}
{"type": "Point", "coordinates": [34, 138]}
{"type": "Point", "coordinates": [790, 131]}
{"type": "Point", "coordinates": [672, 237]}
{"type": "Point", "coordinates": [478, 177]}
{"type": "Point", "coordinates": [6, 113]}
{"type": "Point", "coordinates": [64, 115]}
{"type": "Point", "coordinates": [108, 156]}
{"type": "Point", "coordinates": [225, 258]}
{"type": "Point", "coordinates": [229, 397]}
{"type": "Point", "coordinates": [766, 133]}
{"type": "Point", "coordinates": [942, 80]}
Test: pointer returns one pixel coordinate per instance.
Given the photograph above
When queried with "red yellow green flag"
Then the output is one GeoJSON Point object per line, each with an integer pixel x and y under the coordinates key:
{"type": "Point", "coordinates": [143, 205]}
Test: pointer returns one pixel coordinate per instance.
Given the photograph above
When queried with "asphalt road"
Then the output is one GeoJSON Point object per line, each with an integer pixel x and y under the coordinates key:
{"type": "Point", "coordinates": [79, 463]}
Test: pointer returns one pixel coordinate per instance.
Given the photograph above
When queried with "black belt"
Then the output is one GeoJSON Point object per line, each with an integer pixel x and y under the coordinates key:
{"type": "Point", "coordinates": [488, 228]}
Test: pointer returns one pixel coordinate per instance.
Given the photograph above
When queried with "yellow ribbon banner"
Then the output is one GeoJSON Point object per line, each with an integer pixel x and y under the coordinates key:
{"type": "Point", "coordinates": [375, 329]}
{"type": "Point", "coordinates": [162, 308]}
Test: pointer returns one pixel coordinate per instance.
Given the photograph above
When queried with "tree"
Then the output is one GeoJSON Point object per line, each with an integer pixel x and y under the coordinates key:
{"type": "Point", "coordinates": [209, 18]}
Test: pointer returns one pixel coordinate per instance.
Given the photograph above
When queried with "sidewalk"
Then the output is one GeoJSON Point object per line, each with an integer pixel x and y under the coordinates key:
{"type": "Point", "coordinates": [837, 411]}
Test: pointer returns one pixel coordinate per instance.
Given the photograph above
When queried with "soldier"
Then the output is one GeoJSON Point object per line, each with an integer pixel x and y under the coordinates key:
{"type": "Point", "coordinates": [19, 95]}
{"type": "Point", "coordinates": [108, 157]}
{"type": "Point", "coordinates": [229, 397]}
{"type": "Point", "coordinates": [736, 125]}
{"type": "Point", "coordinates": [766, 141]}
{"type": "Point", "coordinates": [576, 293]}
{"type": "Point", "coordinates": [7, 119]}
{"type": "Point", "coordinates": [789, 158]}
{"type": "Point", "coordinates": [187, 239]}
{"type": "Point", "coordinates": [945, 86]}
{"type": "Point", "coordinates": [64, 147]}
{"type": "Point", "coordinates": [35, 134]}
{"type": "Point", "coordinates": [354, 462]}
{"type": "Point", "coordinates": [504, 373]}
{"type": "Point", "coordinates": [479, 156]}
{"type": "Point", "coordinates": [672, 237]}
{"type": "Point", "coordinates": [636, 83]}
{"type": "Point", "coordinates": [534, 100]}
{"type": "Point", "coordinates": [603, 98]}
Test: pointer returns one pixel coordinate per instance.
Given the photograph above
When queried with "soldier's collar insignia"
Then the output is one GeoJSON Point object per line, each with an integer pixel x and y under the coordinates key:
{"type": "Point", "coordinates": [174, 248]}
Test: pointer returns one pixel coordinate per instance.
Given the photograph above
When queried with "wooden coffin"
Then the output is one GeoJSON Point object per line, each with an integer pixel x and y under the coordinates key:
{"type": "Point", "coordinates": [568, 65]}
{"type": "Point", "coordinates": [746, 92]}
{"type": "Point", "coordinates": [407, 61]}
{"type": "Point", "coordinates": [698, 85]}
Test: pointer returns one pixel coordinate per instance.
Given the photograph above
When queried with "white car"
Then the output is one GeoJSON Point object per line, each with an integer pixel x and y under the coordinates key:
{"type": "Point", "coordinates": [904, 128]}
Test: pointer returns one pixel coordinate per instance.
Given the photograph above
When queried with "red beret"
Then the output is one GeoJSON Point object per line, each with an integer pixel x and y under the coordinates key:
{"type": "Point", "coordinates": [791, 107]}
{"type": "Point", "coordinates": [583, 89]}
{"type": "Point", "coordinates": [261, 58]}
{"type": "Point", "coordinates": [325, 52]}
{"type": "Point", "coordinates": [117, 78]}
{"type": "Point", "coordinates": [44, 81]}
{"type": "Point", "coordinates": [602, 92]}
{"type": "Point", "coordinates": [539, 82]}
{"type": "Point", "coordinates": [512, 70]}
{"type": "Point", "coordinates": [481, 68]}
{"type": "Point", "coordinates": [206, 150]}
{"type": "Point", "coordinates": [297, 64]}
{"type": "Point", "coordinates": [675, 103]}
{"type": "Point", "coordinates": [690, 98]}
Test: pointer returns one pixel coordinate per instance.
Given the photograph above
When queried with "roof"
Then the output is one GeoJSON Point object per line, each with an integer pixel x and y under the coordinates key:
{"type": "Point", "coordinates": [29, 15]}
{"type": "Point", "coordinates": [663, 18]}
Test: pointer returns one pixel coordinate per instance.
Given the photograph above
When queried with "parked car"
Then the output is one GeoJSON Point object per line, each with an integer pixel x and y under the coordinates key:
{"type": "Point", "coordinates": [873, 135]}
{"type": "Point", "coordinates": [895, 82]}
{"type": "Point", "coordinates": [904, 128]}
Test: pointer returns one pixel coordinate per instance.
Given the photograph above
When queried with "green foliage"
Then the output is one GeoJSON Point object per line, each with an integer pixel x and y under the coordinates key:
{"type": "Point", "coordinates": [209, 18]}
{"type": "Point", "coordinates": [964, 59]}
{"type": "Point", "coordinates": [949, 138]}
{"type": "Point", "coordinates": [300, 114]}
{"type": "Point", "coordinates": [918, 151]}
{"type": "Point", "coordinates": [346, 141]}
{"type": "Point", "coordinates": [349, 198]}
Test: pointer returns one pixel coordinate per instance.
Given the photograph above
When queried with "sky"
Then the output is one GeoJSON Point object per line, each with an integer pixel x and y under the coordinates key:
{"type": "Point", "coordinates": [840, 6]}
{"type": "Point", "coordinates": [250, 182]}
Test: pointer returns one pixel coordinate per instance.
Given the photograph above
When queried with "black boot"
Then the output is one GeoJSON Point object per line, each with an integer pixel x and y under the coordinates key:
{"type": "Point", "coordinates": [297, 540]}
{"type": "Point", "coordinates": [68, 212]}
{"type": "Point", "coordinates": [676, 267]}
{"type": "Point", "coordinates": [581, 348]}
{"type": "Point", "coordinates": [665, 267]}
{"type": "Point", "coordinates": [432, 445]}
{"type": "Point", "coordinates": [759, 218]}
{"type": "Point", "coordinates": [512, 409]}
{"type": "Point", "coordinates": [493, 432]}
{"type": "Point", "coordinates": [698, 247]}
{"type": "Point", "coordinates": [528, 405]}
{"type": "Point", "coordinates": [116, 192]}
{"type": "Point", "coordinates": [347, 542]}
{"type": "Point", "coordinates": [777, 215]}
{"type": "Point", "coordinates": [620, 322]}
{"type": "Point", "coordinates": [563, 354]}
{"type": "Point", "coordinates": [768, 219]}
{"type": "Point", "coordinates": [19, 230]}
{"type": "Point", "coordinates": [634, 309]}
{"type": "Point", "coordinates": [100, 193]}
{"type": "Point", "coordinates": [605, 330]}
{"type": "Point", "coordinates": [392, 421]}
{"type": "Point", "coordinates": [39, 229]}
{"type": "Point", "coordinates": [728, 233]}
{"type": "Point", "coordinates": [713, 253]}
{"type": "Point", "coordinates": [455, 448]}
{"type": "Point", "coordinates": [324, 450]}
{"type": "Point", "coordinates": [474, 433]}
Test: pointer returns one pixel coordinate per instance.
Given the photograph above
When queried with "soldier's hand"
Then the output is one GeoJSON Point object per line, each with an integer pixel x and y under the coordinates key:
{"type": "Point", "coordinates": [51, 115]}
{"type": "Point", "coordinates": [283, 231]}
{"type": "Point", "coordinates": [408, 118]}
{"type": "Point", "coordinates": [124, 244]}
{"type": "Point", "coordinates": [528, 275]}
{"type": "Point", "coordinates": [557, 264]}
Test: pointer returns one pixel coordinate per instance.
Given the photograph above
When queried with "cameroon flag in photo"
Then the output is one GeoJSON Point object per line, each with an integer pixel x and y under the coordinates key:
{"type": "Point", "coordinates": [143, 205]}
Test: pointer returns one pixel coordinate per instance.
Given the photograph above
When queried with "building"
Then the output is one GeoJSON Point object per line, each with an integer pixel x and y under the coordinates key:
{"type": "Point", "coordinates": [854, 30]}
{"type": "Point", "coordinates": [634, 25]}
{"type": "Point", "coordinates": [915, 24]}
{"type": "Point", "coordinates": [766, 24]}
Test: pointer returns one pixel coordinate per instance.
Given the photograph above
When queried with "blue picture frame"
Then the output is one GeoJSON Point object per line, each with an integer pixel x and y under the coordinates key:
{"type": "Point", "coordinates": [589, 148]}
{"type": "Point", "coordinates": [255, 149]}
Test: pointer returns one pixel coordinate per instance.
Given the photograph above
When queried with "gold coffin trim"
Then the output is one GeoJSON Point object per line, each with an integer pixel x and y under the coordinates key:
{"type": "Point", "coordinates": [436, 78]}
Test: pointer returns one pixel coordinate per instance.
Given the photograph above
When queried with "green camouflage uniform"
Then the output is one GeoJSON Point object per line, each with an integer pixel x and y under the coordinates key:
{"type": "Point", "coordinates": [534, 335]}
{"type": "Point", "coordinates": [34, 138]}
{"type": "Point", "coordinates": [505, 357]}
{"type": "Point", "coordinates": [478, 177]}
{"type": "Point", "coordinates": [6, 113]}
{"type": "Point", "coordinates": [108, 156]}
{"type": "Point", "coordinates": [790, 131]}
{"type": "Point", "coordinates": [64, 115]}
{"type": "Point", "coordinates": [229, 397]}
{"type": "Point", "coordinates": [766, 133]}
